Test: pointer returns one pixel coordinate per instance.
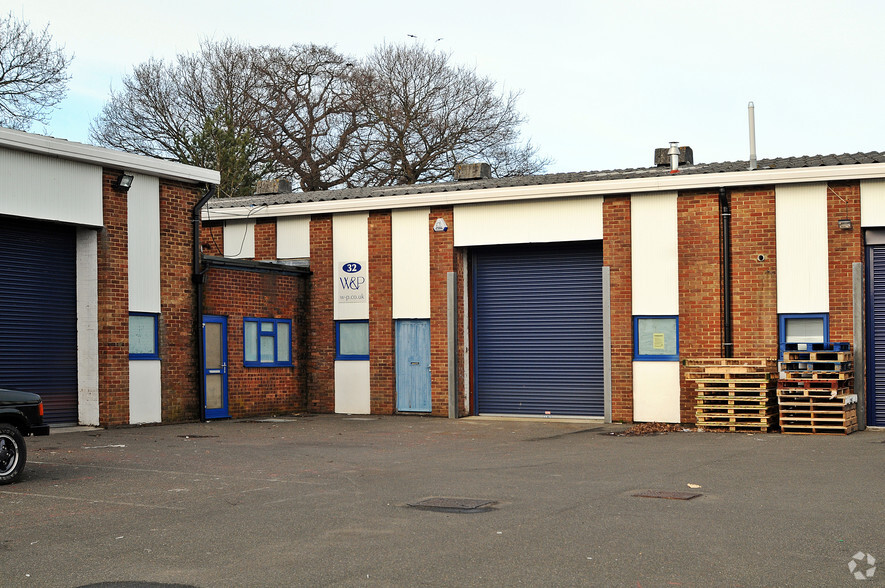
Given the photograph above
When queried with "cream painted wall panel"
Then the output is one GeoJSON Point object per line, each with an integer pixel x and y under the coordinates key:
{"type": "Point", "coordinates": [87, 327]}
{"type": "Point", "coordinates": [145, 405]}
{"type": "Point", "coordinates": [802, 259]}
{"type": "Point", "coordinates": [655, 253]}
{"type": "Point", "coordinates": [49, 188]}
{"type": "Point", "coordinates": [656, 391]}
{"type": "Point", "coordinates": [293, 237]}
{"type": "Point", "coordinates": [872, 203]}
{"type": "Point", "coordinates": [239, 239]}
{"type": "Point", "coordinates": [143, 204]}
{"type": "Point", "coordinates": [352, 387]}
{"type": "Point", "coordinates": [410, 235]}
{"type": "Point", "coordinates": [533, 221]}
{"type": "Point", "coordinates": [350, 245]}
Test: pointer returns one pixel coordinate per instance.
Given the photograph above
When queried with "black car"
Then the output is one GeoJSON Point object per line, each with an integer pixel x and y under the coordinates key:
{"type": "Point", "coordinates": [21, 414]}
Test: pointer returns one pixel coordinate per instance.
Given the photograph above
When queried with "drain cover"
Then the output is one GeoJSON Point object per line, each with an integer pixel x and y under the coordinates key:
{"type": "Point", "coordinates": [666, 494]}
{"type": "Point", "coordinates": [463, 505]}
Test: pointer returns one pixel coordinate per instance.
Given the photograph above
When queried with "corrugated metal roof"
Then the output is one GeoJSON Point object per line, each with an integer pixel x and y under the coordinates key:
{"type": "Point", "coordinates": [547, 179]}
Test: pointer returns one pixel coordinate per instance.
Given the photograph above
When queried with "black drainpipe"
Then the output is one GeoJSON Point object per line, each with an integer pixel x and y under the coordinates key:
{"type": "Point", "coordinates": [198, 277]}
{"type": "Point", "coordinates": [725, 228]}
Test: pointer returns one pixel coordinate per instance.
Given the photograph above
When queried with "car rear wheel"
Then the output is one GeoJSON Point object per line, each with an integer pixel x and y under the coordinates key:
{"type": "Point", "coordinates": [13, 453]}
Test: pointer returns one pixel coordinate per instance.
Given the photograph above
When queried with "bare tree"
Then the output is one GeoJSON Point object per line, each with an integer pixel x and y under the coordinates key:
{"type": "Point", "coordinates": [191, 110]}
{"type": "Point", "coordinates": [312, 123]}
{"type": "Point", "coordinates": [430, 115]}
{"type": "Point", "coordinates": [33, 74]}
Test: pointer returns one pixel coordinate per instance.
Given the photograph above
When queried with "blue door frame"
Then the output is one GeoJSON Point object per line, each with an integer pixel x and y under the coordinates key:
{"type": "Point", "coordinates": [214, 362]}
{"type": "Point", "coordinates": [413, 365]}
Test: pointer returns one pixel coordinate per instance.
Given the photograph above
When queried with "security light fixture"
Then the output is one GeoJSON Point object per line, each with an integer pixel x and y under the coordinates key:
{"type": "Point", "coordinates": [124, 182]}
{"type": "Point", "coordinates": [845, 223]}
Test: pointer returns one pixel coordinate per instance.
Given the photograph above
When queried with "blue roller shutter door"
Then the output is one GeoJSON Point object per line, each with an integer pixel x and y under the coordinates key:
{"type": "Point", "coordinates": [538, 330]}
{"type": "Point", "coordinates": [38, 314]}
{"type": "Point", "coordinates": [876, 336]}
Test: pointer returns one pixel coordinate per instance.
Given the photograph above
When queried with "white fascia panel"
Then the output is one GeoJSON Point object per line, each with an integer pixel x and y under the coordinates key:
{"type": "Point", "coordinates": [533, 221]}
{"type": "Point", "coordinates": [410, 236]}
{"type": "Point", "coordinates": [350, 246]}
{"type": "Point", "coordinates": [656, 392]}
{"type": "Point", "coordinates": [803, 279]}
{"type": "Point", "coordinates": [655, 253]}
{"type": "Point", "coordinates": [239, 239]}
{"type": "Point", "coordinates": [872, 203]}
{"type": "Point", "coordinates": [293, 237]}
{"type": "Point", "coordinates": [46, 188]}
{"type": "Point", "coordinates": [352, 392]}
{"type": "Point", "coordinates": [143, 204]}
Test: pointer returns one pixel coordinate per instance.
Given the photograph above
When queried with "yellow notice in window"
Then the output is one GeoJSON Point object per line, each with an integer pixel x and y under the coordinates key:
{"type": "Point", "coordinates": [657, 340]}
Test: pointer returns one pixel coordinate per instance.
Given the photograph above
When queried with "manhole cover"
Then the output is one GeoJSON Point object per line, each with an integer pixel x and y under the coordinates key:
{"type": "Point", "coordinates": [463, 505]}
{"type": "Point", "coordinates": [667, 495]}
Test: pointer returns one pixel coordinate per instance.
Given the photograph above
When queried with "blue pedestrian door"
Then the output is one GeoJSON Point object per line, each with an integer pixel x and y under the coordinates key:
{"type": "Point", "coordinates": [215, 366]}
{"type": "Point", "coordinates": [413, 365]}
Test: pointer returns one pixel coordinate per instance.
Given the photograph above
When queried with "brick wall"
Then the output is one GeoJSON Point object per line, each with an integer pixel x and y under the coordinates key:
{"type": "Point", "coordinates": [382, 360]}
{"type": "Point", "coordinates": [212, 238]}
{"type": "Point", "coordinates": [616, 253]}
{"type": "Point", "coordinates": [237, 294]}
{"type": "Point", "coordinates": [442, 261]}
{"type": "Point", "coordinates": [113, 305]}
{"type": "Point", "coordinates": [266, 238]}
{"type": "Point", "coordinates": [845, 248]}
{"type": "Point", "coordinates": [321, 364]}
{"type": "Point", "coordinates": [700, 301]}
{"type": "Point", "coordinates": [178, 328]}
{"type": "Point", "coordinates": [754, 283]}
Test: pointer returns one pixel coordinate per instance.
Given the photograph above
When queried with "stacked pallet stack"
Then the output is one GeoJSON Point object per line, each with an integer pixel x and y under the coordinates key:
{"type": "Point", "coordinates": [815, 390]}
{"type": "Point", "coordinates": [735, 394]}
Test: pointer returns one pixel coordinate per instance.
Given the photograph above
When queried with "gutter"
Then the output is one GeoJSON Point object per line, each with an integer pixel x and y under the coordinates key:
{"type": "Point", "coordinates": [198, 277]}
{"type": "Point", "coordinates": [685, 180]}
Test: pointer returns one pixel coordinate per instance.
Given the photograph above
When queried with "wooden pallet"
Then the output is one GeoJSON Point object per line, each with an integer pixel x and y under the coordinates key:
{"type": "Point", "coordinates": [840, 401]}
{"type": "Point", "coordinates": [706, 400]}
{"type": "Point", "coordinates": [705, 385]}
{"type": "Point", "coordinates": [820, 417]}
{"type": "Point", "coordinates": [840, 346]}
{"type": "Point", "coordinates": [729, 368]}
{"type": "Point", "coordinates": [736, 422]}
{"type": "Point", "coordinates": [818, 430]}
{"type": "Point", "coordinates": [810, 375]}
{"type": "Point", "coordinates": [822, 356]}
{"type": "Point", "coordinates": [816, 366]}
{"type": "Point", "coordinates": [809, 386]}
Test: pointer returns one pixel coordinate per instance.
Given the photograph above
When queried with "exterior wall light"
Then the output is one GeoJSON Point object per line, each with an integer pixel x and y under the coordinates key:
{"type": "Point", "coordinates": [845, 223]}
{"type": "Point", "coordinates": [124, 182]}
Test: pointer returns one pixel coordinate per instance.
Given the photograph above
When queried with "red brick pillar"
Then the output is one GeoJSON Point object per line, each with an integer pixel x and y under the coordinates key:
{"type": "Point", "coordinates": [113, 305]}
{"type": "Point", "coordinates": [700, 294]}
{"type": "Point", "coordinates": [382, 360]}
{"type": "Point", "coordinates": [321, 363]}
{"type": "Point", "coordinates": [442, 261]}
{"type": "Point", "coordinates": [616, 254]}
{"type": "Point", "coordinates": [178, 329]}
{"type": "Point", "coordinates": [754, 282]}
{"type": "Point", "coordinates": [265, 239]}
{"type": "Point", "coordinates": [845, 248]}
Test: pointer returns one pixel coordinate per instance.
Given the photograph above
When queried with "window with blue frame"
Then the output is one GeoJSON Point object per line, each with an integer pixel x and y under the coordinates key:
{"type": "Point", "coordinates": [352, 340]}
{"type": "Point", "coordinates": [267, 342]}
{"type": "Point", "coordinates": [803, 328]}
{"type": "Point", "coordinates": [656, 338]}
{"type": "Point", "coordinates": [143, 335]}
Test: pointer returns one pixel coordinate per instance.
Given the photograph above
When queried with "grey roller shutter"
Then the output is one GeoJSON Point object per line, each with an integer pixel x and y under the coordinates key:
{"type": "Point", "coordinates": [538, 329]}
{"type": "Point", "coordinates": [38, 314]}
{"type": "Point", "coordinates": [876, 336]}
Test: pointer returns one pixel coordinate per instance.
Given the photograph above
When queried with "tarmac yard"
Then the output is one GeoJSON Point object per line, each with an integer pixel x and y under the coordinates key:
{"type": "Point", "coordinates": [411, 501]}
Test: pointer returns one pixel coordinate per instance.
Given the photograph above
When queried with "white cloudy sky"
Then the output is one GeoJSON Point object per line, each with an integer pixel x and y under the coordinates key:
{"type": "Point", "coordinates": [604, 82]}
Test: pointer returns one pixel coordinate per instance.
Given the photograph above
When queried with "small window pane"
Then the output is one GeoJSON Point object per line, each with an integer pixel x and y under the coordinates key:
{"type": "Point", "coordinates": [250, 344]}
{"type": "Point", "coordinates": [283, 342]}
{"type": "Point", "coordinates": [142, 335]}
{"type": "Point", "coordinates": [353, 338]}
{"type": "Point", "coordinates": [804, 330]}
{"type": "Point", "coordinates": [267, 347]}
{"type": "Point", "coordinates": [657, 336]}
{"type": "Point", "coordinates": [266, 327]}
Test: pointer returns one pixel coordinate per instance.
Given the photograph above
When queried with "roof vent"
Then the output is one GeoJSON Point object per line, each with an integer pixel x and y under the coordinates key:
{"type": "Point", "coordinates": [473, 171]}
{"type": "Point", "coordinates": [662, 156]}
{"type": "Point", "coordinates": [277, 186]}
